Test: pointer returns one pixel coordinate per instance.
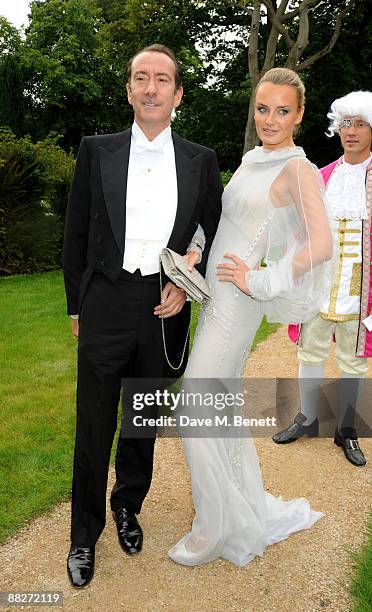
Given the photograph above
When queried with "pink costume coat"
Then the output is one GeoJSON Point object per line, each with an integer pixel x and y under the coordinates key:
{"type": "Point", "coordinates": [364, 338]}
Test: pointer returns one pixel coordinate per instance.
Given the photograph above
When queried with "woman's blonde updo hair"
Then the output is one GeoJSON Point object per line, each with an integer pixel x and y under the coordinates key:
{"type": "Point", "coordinates": [285, 76]}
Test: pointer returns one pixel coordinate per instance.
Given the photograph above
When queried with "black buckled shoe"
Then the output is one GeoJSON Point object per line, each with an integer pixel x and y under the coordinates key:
{"type": "Point", "coordinates": [297, 430]}
{"type": "Point", "coordinates": [350, 445]}
{"type": "Point", "coordinates": [129, 531]}
{"type": "Point", "coordinates": [80, 565]}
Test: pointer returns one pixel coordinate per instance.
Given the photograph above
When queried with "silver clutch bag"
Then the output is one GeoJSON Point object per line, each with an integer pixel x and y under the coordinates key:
{"type": "Point", "coordinates": [193, 283]}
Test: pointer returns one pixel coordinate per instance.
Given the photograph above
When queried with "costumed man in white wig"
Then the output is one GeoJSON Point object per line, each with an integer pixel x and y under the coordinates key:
{"type": "Point", "coordinates": [348, 183]}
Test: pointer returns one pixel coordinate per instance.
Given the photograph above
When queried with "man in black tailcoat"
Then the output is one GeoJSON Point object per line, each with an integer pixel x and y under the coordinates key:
{"type": "Point", "coordinates": [132, 194]}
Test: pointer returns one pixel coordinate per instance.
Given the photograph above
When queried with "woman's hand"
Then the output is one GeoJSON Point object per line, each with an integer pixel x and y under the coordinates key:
{"type": "Point", "coordinates": [191, 258]}
{"type": "Point", "coordinates": [233, 272]}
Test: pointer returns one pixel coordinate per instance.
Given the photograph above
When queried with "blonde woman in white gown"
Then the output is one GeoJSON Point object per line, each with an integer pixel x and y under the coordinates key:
{"type": "Point", "coordinates": [272, 208]}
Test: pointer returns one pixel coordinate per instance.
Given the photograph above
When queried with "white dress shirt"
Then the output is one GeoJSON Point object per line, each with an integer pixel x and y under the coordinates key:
{"type": "Point", "coordinates": [151, 202]}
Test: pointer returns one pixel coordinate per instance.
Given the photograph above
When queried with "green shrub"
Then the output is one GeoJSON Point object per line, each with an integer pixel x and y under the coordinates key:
{"type": "Point", "coordinates": [34, 183]}
{"type": "Point", "coordinates": [226, 176]}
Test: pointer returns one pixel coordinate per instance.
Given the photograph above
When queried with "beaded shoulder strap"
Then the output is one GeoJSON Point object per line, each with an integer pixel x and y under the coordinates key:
{"type": "Point", "coordinates": [260, 231]}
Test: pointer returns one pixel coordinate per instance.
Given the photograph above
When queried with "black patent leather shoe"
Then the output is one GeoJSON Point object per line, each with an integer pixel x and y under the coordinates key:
{"type": "Point", "coordinates": [80, 565]}
{"type": "Point", "coordinates": [297, 430]}
{"type": "Point", "coordinates": [351, 448]}
{"type": "Point", "coordinates": [129, 531]}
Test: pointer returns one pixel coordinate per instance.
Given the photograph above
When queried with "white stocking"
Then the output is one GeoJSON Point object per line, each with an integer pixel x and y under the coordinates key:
{"type": "Point", "coordinates": [310, 377]}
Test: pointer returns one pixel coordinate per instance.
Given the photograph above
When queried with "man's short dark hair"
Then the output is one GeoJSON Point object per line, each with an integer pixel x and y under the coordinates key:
{"type": "Point", "coordinates": [157, 48]}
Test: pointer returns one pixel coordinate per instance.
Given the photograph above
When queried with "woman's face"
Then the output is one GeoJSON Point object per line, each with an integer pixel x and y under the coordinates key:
{"type": "Point", "coordinates": [276, 114]}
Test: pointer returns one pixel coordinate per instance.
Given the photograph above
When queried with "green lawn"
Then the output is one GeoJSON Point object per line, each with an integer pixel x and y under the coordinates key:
{"type": "Point", "coordinates": [37, 374]}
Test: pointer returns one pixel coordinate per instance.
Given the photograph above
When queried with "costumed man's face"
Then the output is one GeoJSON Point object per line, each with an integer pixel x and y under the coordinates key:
{"type": "Point", "coordinates": [356, 136]}
{"type": "Point", "coordinates": [152, 91]}
{"type": "Point", "coordinates": [276, 114]}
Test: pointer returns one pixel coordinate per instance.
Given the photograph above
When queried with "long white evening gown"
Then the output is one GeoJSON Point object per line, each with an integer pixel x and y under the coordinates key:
{"type": "Point", "coordinates": [234, 517]}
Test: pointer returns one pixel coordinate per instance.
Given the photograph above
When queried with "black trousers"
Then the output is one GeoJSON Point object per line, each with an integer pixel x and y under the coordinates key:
{"type": "Point", "coordinates": [119, 337]}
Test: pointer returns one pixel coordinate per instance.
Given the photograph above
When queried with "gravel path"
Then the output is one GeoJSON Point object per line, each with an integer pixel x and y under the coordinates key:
{"type": "Point", "coordinates": [309, 571]}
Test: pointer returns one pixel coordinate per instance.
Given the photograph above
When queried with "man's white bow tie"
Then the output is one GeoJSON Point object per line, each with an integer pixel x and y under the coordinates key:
{"type": "Point", "coordinates": [154, 147]}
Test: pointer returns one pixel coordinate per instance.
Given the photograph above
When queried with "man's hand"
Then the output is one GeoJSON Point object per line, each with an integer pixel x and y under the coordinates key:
{"type": "Point", "coordinates": [75, 328]}
{"type": "Point", "coordinates": [233, 273]}
{"type": "Point", "coordinates": [191, 258]}
{"type": "Point", "coordinates": [172, 301]}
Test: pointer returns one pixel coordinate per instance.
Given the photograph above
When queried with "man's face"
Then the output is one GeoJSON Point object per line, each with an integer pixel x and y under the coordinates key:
{"type": "Point", "coordinates": [356, 135]}
{"type": "Point", "coordinates": [152, 91]}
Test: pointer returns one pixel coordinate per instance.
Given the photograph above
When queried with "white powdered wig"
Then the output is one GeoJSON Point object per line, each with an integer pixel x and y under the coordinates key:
{"type": "Point", "coordinates": [354, 104]}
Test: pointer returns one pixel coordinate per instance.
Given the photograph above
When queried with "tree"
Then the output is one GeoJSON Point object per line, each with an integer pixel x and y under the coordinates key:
{"type": "Point", "coordinates": [10, 39]}
{"type": "Point", "coordinates": [12, 78]}
{"type": "Point", "coordinates": [288, 22]}
{"type": "Point", "coordinates": [347, 68]}
{"type": "Point", "coordinates": [67, 76]}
